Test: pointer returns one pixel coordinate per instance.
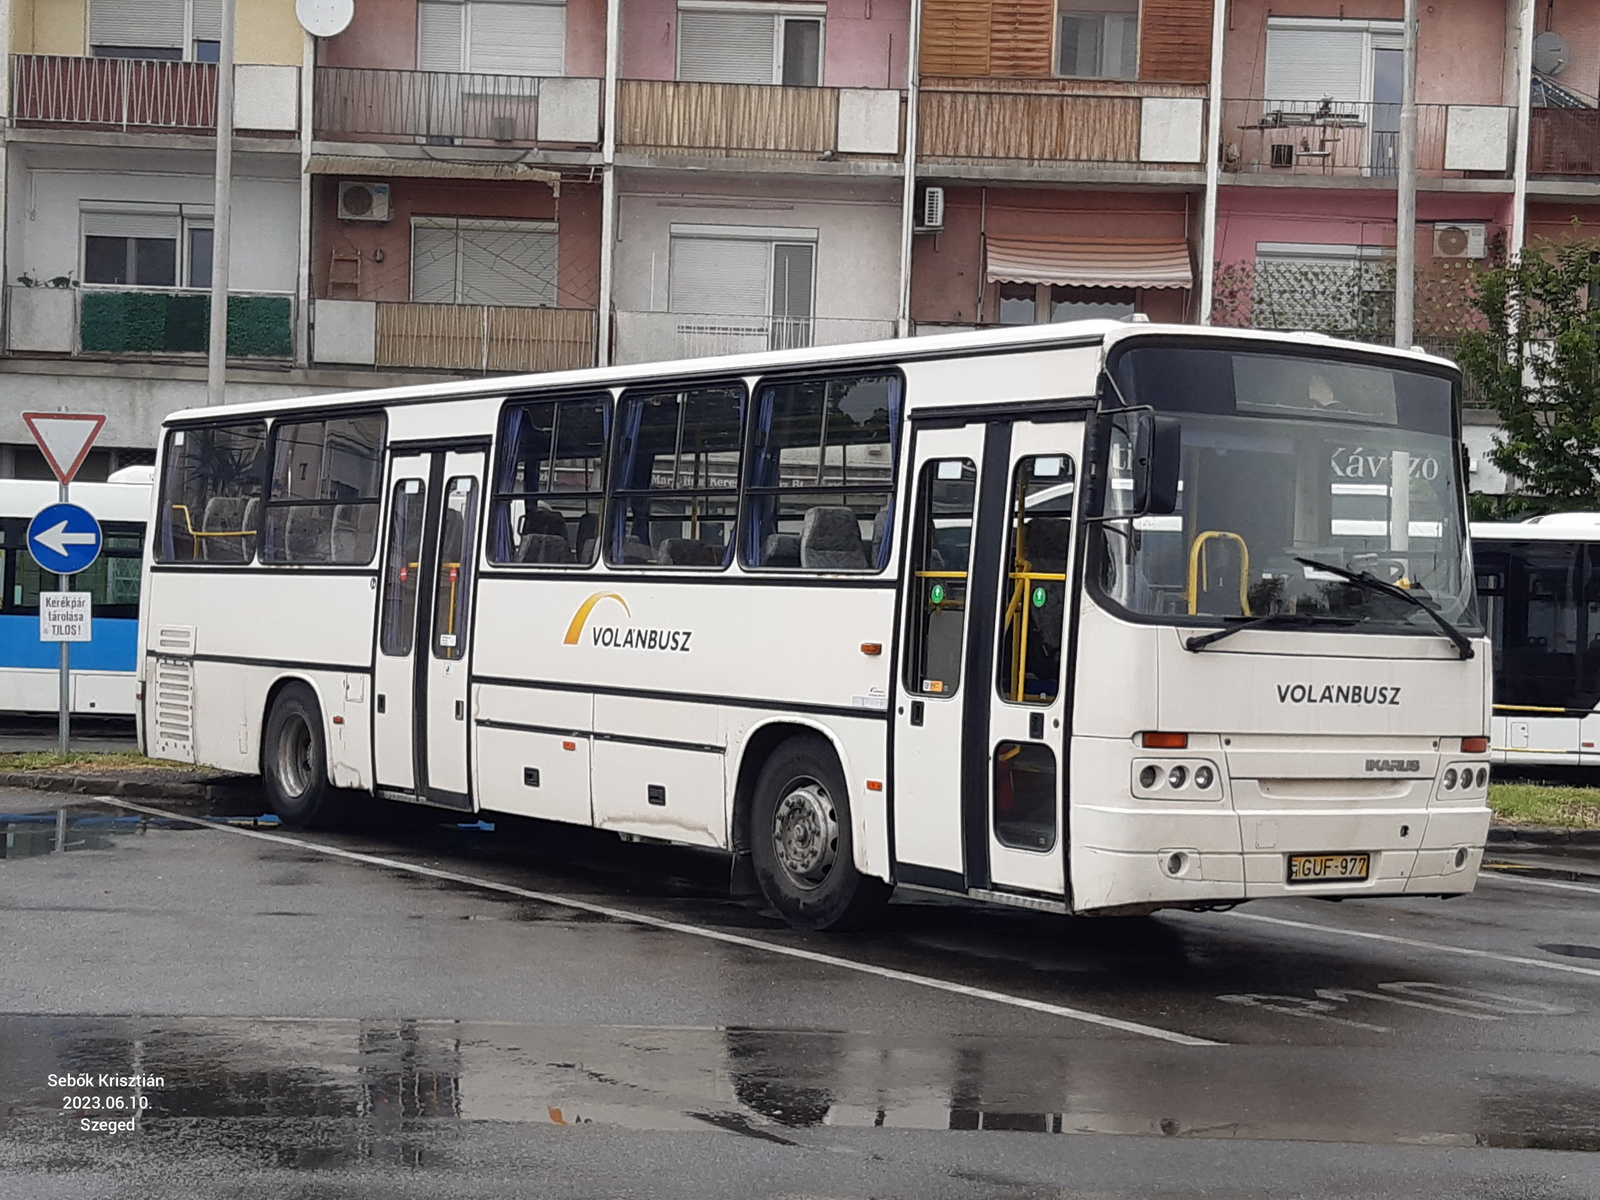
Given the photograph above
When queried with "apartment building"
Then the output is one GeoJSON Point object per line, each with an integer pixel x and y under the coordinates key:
{"type": "Point", "coordinates": [454, 187]}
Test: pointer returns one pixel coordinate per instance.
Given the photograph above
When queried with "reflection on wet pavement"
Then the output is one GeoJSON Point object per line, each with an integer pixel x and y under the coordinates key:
{"type": "Point", "coordinates": [30, 834]}
{"type": "Point", "coordinates": [322, 1092]}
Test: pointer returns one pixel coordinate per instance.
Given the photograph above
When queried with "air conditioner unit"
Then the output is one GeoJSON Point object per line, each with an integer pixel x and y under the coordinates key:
{"type": "Point", "coordinates": [1459, 241]}
{"type": "Point", "coordinates": [363, 201]}
{"type": "Point", "coordinates": [930, 214]}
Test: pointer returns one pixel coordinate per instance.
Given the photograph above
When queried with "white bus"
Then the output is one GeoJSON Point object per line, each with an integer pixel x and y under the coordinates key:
{"type": "Point", "coordinates": [1539, 588]}
{"type": "Point", "coordinates": [1096, 617]}
{"type": "Point", "coordinates": [103, 670]}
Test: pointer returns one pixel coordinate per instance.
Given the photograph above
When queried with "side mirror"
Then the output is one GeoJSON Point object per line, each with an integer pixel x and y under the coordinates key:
{"type": "Point", "coordinates": [1157, 462]}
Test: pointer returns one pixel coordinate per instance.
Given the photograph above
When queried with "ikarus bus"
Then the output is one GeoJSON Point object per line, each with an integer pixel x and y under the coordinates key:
{"type": "Point", "coordinates": [1539, 585]}
{"type": "Point", "coordinates": [1090, 618]}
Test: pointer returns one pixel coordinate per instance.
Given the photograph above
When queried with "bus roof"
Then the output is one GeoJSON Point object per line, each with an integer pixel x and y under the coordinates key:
{"type": "Point", "coordinates": [1553, 527]}
{"type": "Point", "coordinates": [947, 345]}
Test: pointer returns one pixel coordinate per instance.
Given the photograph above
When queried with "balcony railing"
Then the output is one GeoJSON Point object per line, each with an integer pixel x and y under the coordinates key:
{"type": "Point", "coordinates": [1564, 141]}
{"type": "Point", "coordinates": [1315, 138]}
{"type": "Point", "coordinates": [113, 93]}
{"type": "Point", "coordinates": [370, 104]}
{"type": "Point", "coordinates": [656, 336]}
{"type": "Point", "coordinates": [757, 120]}
{"type": "Point", "coordinates": [484, 338]}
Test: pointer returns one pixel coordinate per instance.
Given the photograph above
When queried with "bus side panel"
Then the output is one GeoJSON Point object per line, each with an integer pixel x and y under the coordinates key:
{"type": "Point", "coordinates": [103, 682]}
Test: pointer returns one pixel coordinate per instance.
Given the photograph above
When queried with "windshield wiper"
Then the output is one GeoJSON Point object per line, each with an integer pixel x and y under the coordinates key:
{"type": "Point", "coordinates": [1373, 584]}
{"type": "Point", "coordinates": [1197, 644]}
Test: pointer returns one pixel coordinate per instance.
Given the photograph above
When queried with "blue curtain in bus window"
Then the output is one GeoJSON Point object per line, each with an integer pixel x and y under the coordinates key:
{"type": "Point", "coordinates": [820, 491]}
{"type": "Point", "coordinates": [632, 416]}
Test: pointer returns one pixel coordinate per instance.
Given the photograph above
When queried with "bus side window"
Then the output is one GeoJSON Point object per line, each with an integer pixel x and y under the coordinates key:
{"type": "Point", "coordinates": [402, 563]}
{"type": "Point", "coordinates": [821, 475]}
{"type": "Point", "coordinates": [1034, 595]}
{"type": "Point", "coordinates": [322, 506]}
{"type": "Point", "coordinates": [211, 493]}
{"type": "Point", "coordinates": [453, 580]}
{"type": "Point", "coordinates": [550, 482]}
{"type": "Point", "coordinates": [946, 497]}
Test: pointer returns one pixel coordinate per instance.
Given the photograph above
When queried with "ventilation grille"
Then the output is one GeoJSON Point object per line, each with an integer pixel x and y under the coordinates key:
{"type": "Point", "coordinates": [173, 710]}
{"type": "Point", "coordinates": [174, 639]}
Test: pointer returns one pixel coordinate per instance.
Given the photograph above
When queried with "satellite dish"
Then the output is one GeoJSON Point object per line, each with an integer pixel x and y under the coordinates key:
{"type": "Point", "coordinates": [324, 18]}
{"type": "Point", "coordinates": [1549, 53]}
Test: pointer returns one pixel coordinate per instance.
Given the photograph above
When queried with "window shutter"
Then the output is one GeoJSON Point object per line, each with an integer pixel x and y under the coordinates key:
{"type": "Point", "coordinates": [134, 225]}
{"type": "Point", "coordinates": [137, 23]}
{"type": "Point", "coordinates": [1313, 64]}
{"type": "Point", "coordinates": [792, 269]}
{"type": "Point", "coordinates": [433, 264]}
{"type": "Point", "coordinates": [439, 37]}
{"type": "Point", "coordinates": [517, 39]}
{"type": "Point", "coordinates": [725, 47]}
{"type": "Point", "coordinates": [955, 37]}
{"type": "Point", "coordinates": [1019, 37]}
{"type": "Point", "coordinates": [208, 20]}
{"type": "Point", "coordinates": [505, 264]}
{"type": "Point", "coordinates": [1175, 41]}
{"type": "Point", "coordinates": [720, 276]}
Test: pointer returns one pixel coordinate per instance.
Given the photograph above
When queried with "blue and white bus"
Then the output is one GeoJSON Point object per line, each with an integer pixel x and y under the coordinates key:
{"type": "Point", "coordinates": [103, 670]}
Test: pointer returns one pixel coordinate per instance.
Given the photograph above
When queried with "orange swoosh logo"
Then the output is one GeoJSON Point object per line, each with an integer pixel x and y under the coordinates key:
{"type": "Point", "coordinates": [575, 630]}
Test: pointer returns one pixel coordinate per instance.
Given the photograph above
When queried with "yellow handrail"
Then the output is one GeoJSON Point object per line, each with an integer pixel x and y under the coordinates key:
{"type": "Point", "coordinates": [1197, 550]}
{"type": "Point", "coordinates": [188, 522]}
{"type": "Point", "coordinates": [1535, 708]}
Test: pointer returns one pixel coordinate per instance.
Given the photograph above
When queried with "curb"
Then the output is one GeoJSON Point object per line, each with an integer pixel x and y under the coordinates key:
{"type": "Point", "coordinates": [92, 785]}
{"type": "Point", "coordinates": [1543, 835]}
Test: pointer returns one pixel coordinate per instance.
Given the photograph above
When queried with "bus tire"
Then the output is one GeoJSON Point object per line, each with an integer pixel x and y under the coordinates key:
{"type": "Point", "coordinates": [294, 759]}
{"type": "Point", "coordinates": [800, 840]}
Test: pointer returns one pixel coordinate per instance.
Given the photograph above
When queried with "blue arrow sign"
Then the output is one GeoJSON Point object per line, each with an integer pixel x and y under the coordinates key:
{"type": "Point", "coordinates": [65, 539]}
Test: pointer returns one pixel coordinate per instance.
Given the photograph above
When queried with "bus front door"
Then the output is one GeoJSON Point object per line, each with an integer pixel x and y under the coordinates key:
{"type": "Point", "coordinates": [421, 720]}
{"type": "Point", "coordinates": [980, 719]}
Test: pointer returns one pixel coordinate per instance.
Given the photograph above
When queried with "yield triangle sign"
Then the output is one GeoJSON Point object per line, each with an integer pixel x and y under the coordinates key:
{"type": "Point", "coordinates": [65, 438]}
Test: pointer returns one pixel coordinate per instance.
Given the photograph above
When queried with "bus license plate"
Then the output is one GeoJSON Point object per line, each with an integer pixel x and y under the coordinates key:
{"type": "Point", "coordinates": [1328, 868]}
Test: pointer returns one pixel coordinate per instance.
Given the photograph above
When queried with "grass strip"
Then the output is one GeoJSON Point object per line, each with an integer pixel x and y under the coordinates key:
{"type": "Point", "coordinates": [1545, 804]}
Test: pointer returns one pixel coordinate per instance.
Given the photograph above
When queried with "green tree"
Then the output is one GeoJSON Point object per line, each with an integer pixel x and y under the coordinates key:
{"type": "Point", "coordinates": [1538, 366]}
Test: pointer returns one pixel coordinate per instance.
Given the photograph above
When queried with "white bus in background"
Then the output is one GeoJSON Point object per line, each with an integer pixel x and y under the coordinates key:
{"type": "Point", "coordinates": [1075, 618]}
{"type": "Point", "coordinates": [1539, 589]}
{"type": "Point", "coordinates": [104, 670]}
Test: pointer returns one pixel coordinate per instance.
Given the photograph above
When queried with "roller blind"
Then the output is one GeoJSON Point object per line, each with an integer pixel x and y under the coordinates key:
{"type": "Point", "coordinates": [439, 30]}
{"type": "Point", "coordinates": [208, 20]}
{"type": "Point", "coordinates": [517, 39]}
{"type": "Point", "coordinates": [433, 265]}
{"type": "Point", "coordinates": [156, 23]}
{"type": "Point", "coordinates": [1316, 64]}
{"type": "Point", "coordinates": [720, 276]}
{"type": "Point", "coordinates": [493, 262]}
{"type": "Point", "coordinates": [134, 225]}
{"type": "Point", "coordinates": [726, 47]}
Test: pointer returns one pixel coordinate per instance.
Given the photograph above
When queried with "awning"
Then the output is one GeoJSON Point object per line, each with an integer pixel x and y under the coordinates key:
{"type": "Point", "coordinates": [1091, 262]}
{"type": "Point", "coordinates": [371, 166]}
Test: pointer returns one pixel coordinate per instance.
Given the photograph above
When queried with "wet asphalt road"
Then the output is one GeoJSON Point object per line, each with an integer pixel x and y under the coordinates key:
{"type": "Point", "coordinates": [329, 1025]}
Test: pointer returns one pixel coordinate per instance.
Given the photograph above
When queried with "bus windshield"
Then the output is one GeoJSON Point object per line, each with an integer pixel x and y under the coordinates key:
{"type": "Point", "coordinates": [1288, 457]}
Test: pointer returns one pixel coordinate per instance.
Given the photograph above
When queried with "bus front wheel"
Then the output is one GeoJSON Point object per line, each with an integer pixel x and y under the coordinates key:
{"type": "Point", "coordinates": [800, 840]}
{"type": "Point", "coordinates": [294, 758]}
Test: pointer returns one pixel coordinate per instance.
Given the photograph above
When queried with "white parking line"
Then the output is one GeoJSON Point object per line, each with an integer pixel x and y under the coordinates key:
{"type": "Point", "coordinates": [1466, 951]}
{"type": "Point", "coordinates": [715, 935]}
{"type": "Point", "coordinates": [1506, 876]}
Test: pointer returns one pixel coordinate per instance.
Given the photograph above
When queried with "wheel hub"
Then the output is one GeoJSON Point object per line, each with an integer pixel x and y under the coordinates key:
{"type": "Point", "coordinates": [294, 756]}
{"type": "Point", "coordinates": [805, 833]}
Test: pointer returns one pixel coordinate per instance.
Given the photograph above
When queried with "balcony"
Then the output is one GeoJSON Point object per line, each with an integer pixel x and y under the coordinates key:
{"type": "Point", "coordinates": [109, 322]}
{"type": "Point", "coordinates": [449, 108]}
{"type": "Point", "coordinates": [1292, 138]}
{"type": "Point", "coordinates": [659, 336]}
{"type": "Point", "coordinates": [1040, 123]}
{"type": "Point", "coordinates": [758, 120]}
{"type": "Point", "coordinates": [1564, 141]}
{"type": "Point", "coordinates": [463, 338]}
{"type": "Point", "coordinates": [130, 95]}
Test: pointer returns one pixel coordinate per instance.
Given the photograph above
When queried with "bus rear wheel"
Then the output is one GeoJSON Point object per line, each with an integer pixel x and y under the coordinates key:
{"type": "Point", "coordinates": [800, 840]}
{"type": "Point", "coordinates": [294, 759]}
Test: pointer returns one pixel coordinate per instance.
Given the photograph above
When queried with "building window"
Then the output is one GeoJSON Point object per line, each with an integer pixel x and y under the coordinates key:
{"type": "Point", "coordinates": [160, 29]}
{"type": "Point", "coordinates": [495, 37]}
{"type": "Point", "coordinates": [1344, 291]}
{"type": "Point", "coordinates": [1019, 304]}
{"type": "Point", "coordinates": [1098, 39]}
{"type": "Point", "coordinates": [720, 43]}
{"type": "Point", "coordinates": [162, 246]}
{"type": "Point", "coordinates": [510, 263]}
{"type": "Point", "coordinates": [1355, 68]}
{"type": "Point", "coordinates": [758, 283]}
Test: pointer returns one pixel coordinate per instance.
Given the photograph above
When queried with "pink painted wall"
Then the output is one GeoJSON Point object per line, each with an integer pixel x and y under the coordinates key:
{"type": "Point", "coordinates": [1579, 22]}
{"type": "Point", "coordinates": [864, 42]}
{"type": "Point", "coordinates": [1460, 57]}
{"type": "Point", "coordinates": [576, 211]}
{"type": "Point", "coordinates": [947, 274]}
{"type": "Point", "coordinates": [384, 34]}
{"type": "Point", "coordinates": [1554, 222]}
{"type": "Point", "coordinates": [1248, 215]}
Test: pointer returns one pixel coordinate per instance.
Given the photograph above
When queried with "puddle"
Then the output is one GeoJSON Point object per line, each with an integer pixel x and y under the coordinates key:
{"type": "Point", "coordinates": [323, 1092]}
{"type": "Point", "coordinates": [1567, 950]}
{"type": "Point", "coordinates": [29, 835]}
